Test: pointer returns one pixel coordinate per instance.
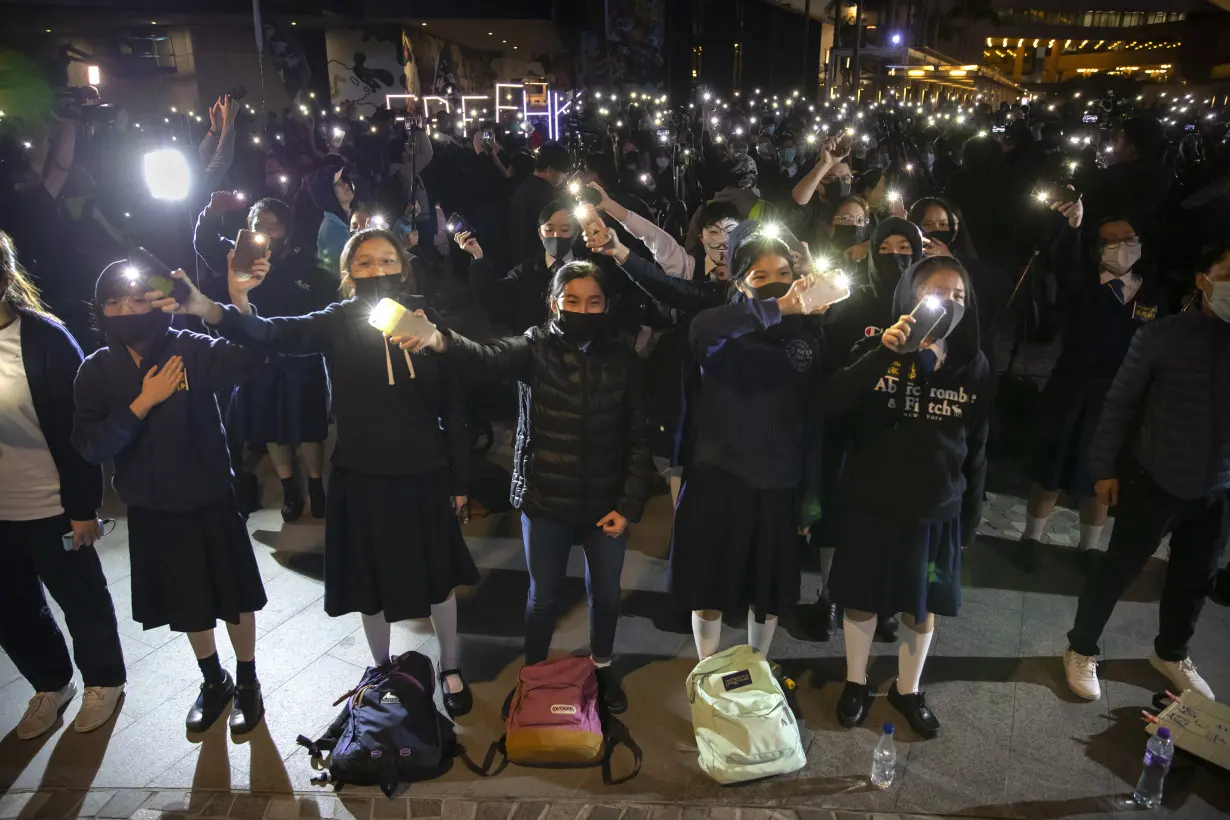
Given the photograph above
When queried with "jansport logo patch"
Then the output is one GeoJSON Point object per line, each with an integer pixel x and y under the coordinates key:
{"type": "Point", "coordinates": [737, 680]}
{"type": "Point", "coordinates": [563, 709]}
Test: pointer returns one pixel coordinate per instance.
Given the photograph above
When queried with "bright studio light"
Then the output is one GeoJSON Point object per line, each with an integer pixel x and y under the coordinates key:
{"type": "Point", "coordinates": [167, 174]}
{"type": "Point", "coordinates": [92, 75]}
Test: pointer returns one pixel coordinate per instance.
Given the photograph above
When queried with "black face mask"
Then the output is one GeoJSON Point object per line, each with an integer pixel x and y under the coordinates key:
{"type": "Point", "coordinates": [557, 246]}
{"type": "Point", "coordinates": [140, 331]}
{"type": "Point", "coordinates": [581, 328]}
{"type": "Point", "coordinates": [773, 290]}
{"type": "Point", "coordinates": [375, 288]}
{"type": "Point", "coordinates": [890, 266]}
{"type": "Point", "coordinates": [632, 160]}
{"type": "Point", "coordinates": [847, 236]}
{"type": "Point", "coordinates": [953, 313]}
{"type": "Point", "coordinates": [945, 236]}
{"type": "Point", "coordinates": [836, 190]}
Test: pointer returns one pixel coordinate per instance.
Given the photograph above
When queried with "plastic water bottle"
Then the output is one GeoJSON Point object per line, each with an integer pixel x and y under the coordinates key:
{"type": "Point", "coordinates": [884, 760]}
{"type": "Point", "coordinates": [1158, 753]}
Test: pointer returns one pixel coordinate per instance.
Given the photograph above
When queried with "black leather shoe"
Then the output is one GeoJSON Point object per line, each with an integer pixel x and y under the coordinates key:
{"type": "Point", "coordinates": [456, 703]}
{"type": "Point", "coordinates": [317, 498]}
{"type": "Point", "coordinates": [292, 503]}
{"type": "Point", "coordinates": [249, 708]}
{"type": "Point", "coordinates": [1029, 554]}
{"type": "Point", "coordinates": [822, 620]}
{"type": "Point", "coordinates": [210, 703]}
{"type": "Point", "coordinates": [854, 704]}
{"type": "Point", "coordinates": [916, 711]}
{"type": "Point", "coordinates": [886, 629]}
{"type": "Point", "coordinates": [611, 691]}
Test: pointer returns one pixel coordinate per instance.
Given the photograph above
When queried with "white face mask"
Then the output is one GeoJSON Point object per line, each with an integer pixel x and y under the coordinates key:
{"type": "Point", "coordinates": [1120, 260]}
{"type": "Point", "coordinates": [1219, 300]}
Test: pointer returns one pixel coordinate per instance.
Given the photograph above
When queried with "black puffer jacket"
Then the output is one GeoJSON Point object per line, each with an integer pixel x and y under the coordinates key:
{"type": "Point", "coordinates": [582, 440]}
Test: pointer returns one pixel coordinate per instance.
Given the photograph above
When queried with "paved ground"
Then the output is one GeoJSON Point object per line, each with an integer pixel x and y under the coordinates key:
{"type": "Point", "coordinates": [1014, 744]}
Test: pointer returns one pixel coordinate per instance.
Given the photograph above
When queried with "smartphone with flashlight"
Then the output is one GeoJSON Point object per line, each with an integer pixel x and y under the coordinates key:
{"type": "Point", "coordinates": [249, 247]}
{"type": "Point", "coordinates": [392, 319]}
{"type": "Point", "coordinates": [1057, 192]}
{"type": "Point", "coordinates": [824, 289]}
{"type": "Point", "coordinates": [927, 317]}
{"type": "Point", "coordinates": [152, 275]}
{"type": "Point", "coordinates": [457, 224]}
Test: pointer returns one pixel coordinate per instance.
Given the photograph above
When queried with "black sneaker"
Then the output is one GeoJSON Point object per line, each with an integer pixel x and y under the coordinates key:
{"type": "Point", "coordinates": [854, 704]}
{"type": "Point", "coordinates": [292, 502]}
{"type": "Point", "coordinates": [249, 708]}
{"type": "Point", "coordinates": [316, 497]}
{"type": "Point", "coordinates": [886, 629]}
{"type": "Point", "coordinates": [210, 703]}
{"type": "Point", "coordinates": [611, 691]}
{"type": "Point", "coordinates": [917, 713]}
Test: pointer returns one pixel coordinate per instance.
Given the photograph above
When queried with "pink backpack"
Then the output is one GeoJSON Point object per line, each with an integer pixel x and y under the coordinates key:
{"type": "Point", "coordinates": [556, 720]}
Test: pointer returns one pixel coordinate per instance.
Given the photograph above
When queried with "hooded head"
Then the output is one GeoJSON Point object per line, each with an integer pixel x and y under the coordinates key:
{"type": "Point", "coordinates": [332, 190]}
{"type": "Point", "coordinates": [896, 244]}
{"type": "Point", "coordinates": [122, 312]}
{"type": "Point", "coordinates": [942, 281]}
{"type": "Point", "coordinates": [740, 172]}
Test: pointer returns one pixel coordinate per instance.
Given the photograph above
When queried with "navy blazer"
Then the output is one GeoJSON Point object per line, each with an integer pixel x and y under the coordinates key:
{"type": "Point", "coordinates": [51, 358]}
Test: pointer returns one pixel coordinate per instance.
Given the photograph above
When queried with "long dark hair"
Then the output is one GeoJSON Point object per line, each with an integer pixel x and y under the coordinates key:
{"type": "Point", "coordinates": [16, 289]}
{"type": "Point", "coordinates": [346, 286]}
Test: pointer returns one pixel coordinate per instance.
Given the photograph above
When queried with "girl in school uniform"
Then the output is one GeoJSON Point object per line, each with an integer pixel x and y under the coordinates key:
{"type": "Point", "coordinates": [401, 467]}
{"type": "Point", "coordinates": [911, 485]}
{"type": "Point", "coordinates": [760, 364]}
{"type": "Point", "coordinates": [146, 401]}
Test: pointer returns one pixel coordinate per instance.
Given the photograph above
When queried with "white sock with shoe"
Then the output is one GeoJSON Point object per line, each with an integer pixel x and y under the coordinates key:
{"type": "Point", "coordinates": [859, 635]}
{"type": "Point", "coordinates": [707, 635]}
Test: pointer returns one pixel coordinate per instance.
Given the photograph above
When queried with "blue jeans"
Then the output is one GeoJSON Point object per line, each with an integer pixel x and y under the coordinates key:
{"type": "Point", "coordinates": [547, 545]}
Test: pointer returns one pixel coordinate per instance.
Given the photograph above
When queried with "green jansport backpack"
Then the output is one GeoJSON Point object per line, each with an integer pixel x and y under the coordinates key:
{"type": "Point", "coordinates": [744, 727]}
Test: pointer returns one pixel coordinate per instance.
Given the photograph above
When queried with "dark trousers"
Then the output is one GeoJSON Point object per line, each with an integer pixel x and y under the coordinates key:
{"type": "Point", "coordinates": [547, 545]}
{"type": "Point", "coordinates": [1145, 514]}
{"type": "Point", "coordinates": [30, 552]}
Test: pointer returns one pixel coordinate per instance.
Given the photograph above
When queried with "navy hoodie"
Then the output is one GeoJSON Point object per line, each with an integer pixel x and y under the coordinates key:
{"type": "Point", "coordinates": [759, 372]}
{"type": "Point", "coordinates": [176, 458]}
{"type": "Point", "coordinates": [917, 448]}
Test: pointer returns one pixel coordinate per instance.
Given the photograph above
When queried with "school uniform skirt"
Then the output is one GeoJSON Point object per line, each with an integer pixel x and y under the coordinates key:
{"type": "Point", "coordinates": [885, 567]}
{"type": "Point", "coordinates": [392, 544]}
{"type": "Point", "coordinates": [1068, 413]}
{"type": "Point", "coordinates": [192, 569]}
{"type": "Point", "coordinates": [734, 546]}
{"type": "Point", "coordinates": [287, 402]}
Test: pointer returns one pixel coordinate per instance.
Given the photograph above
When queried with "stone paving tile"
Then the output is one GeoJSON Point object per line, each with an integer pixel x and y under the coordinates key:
{"type": "Point", "coordinates": [459, 810]}
{"type": "Point", "coordinates": [124, 804]}
{"type": "Point", "coordinates": [422, 808]}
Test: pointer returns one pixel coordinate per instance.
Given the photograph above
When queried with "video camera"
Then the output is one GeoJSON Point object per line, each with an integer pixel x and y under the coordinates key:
{"type": "Point", "coordinates": [82, 103]}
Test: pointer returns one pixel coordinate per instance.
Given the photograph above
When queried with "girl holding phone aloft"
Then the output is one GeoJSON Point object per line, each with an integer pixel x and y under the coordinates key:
{"type": "Point", "coordinates": [393, 544]}
{"type": "Point", "coordinates": [917, 413]}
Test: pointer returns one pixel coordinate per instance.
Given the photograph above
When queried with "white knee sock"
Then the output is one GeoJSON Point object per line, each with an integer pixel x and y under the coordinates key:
{"type": "Point", "coordinates": [444, 623]}
{"type": "Point", "coordinates": [378, 633]}
{"type": "Point", "coordinates": [1090, 535]}
{"type": "Point", "coordinates": [859, 635]}
{"type": "Point", "coordinates": [707, 635]}
{"type": "Point", "coordinates": [910, 659]}
{"type": "Point", "coordinates": [826, 569]}
{"type": "Point", "coordinates": [1034, 527]}
{"type": "Point", "coordinates": [760, 635]}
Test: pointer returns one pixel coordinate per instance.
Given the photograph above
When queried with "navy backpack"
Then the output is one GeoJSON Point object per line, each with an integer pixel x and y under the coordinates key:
{"type": "Point", "coordinates": [389, 731]}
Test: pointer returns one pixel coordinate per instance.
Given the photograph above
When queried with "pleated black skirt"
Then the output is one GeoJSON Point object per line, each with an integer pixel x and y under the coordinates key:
{"type": "Point", "coordinates": [887, 568]}
{"type": "Point", "coordinates": [392, 544]}
{"type": "Point", "coordinates": [1059, 442]}
{"type": "Point", "coordinates": [190, 570]}
{"type": "Point", "coordinates": [287, 402]}
{"type": "Point", "coordinates": [734, 546]}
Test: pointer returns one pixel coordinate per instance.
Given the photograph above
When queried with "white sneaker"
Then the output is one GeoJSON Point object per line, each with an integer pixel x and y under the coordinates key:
{"type": "Point", "coordinates": [1182, 674]}
{"type": "Point", "coordinates": [43, 711]}
{"type": "Point", "coordinates": [97, 706]}
{"type": "Point", "coordinates": [1082, 673]}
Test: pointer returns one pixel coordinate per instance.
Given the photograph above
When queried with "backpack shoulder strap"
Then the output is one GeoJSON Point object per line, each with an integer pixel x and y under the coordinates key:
{"type": "Point", "coordinates": [485, 769]}
{"type": "Point", "coordinates": [617, 734]}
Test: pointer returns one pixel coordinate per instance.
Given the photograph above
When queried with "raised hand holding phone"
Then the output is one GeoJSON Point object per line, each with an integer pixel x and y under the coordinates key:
{"type": "Point", "coordinates": [466, 241]}
{"type": "Point", "coordinates": [896, 336]}
{"type": "Point", "coordinates": [425, 336]}
{"type": "Point", "coordinates": [927, 315]}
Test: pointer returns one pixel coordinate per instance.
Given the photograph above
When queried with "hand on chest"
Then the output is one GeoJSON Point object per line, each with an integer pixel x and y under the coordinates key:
{"type": "Point", "coordinates": [909, 393]}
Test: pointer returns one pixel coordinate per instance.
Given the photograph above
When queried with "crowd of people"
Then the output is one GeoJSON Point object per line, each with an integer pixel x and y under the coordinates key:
{"type": "Point", "coordinates": [649, 284]}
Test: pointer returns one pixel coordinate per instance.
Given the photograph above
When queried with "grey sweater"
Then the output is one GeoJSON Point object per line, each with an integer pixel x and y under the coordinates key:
{"type": "Point", "coordinates": [1170, 402]}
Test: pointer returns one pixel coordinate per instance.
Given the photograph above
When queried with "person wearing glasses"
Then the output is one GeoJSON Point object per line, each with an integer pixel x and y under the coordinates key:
{"type": "Point", "coordinates": [1108, 294]}
{"type": "Point", "coordinates": [49, 497]}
